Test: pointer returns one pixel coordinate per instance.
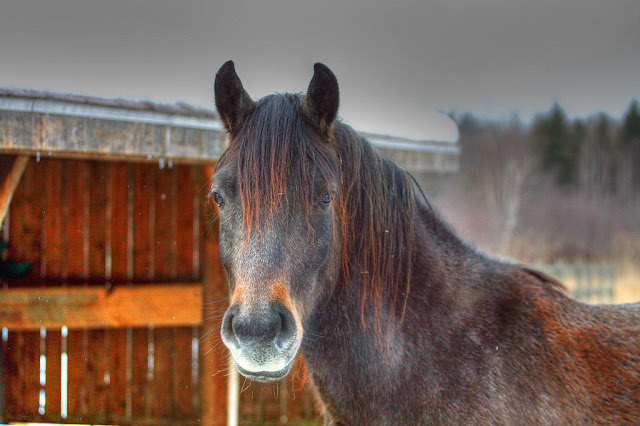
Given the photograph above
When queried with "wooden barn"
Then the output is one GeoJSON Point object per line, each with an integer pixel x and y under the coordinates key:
{"type": "Point", "coordinates": [111, 290]}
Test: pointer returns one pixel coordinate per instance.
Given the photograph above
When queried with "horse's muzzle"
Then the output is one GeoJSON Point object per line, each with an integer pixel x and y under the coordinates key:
{"type": "Point", "coordinates": [263, 341]}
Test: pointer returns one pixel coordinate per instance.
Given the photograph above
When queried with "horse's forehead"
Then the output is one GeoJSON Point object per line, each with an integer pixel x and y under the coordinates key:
{"type": "Point", "coordinates": [225, 176]}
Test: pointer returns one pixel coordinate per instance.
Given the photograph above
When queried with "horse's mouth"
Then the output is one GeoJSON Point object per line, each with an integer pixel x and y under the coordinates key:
{"type": "Point", "coordinates": [265, 376]}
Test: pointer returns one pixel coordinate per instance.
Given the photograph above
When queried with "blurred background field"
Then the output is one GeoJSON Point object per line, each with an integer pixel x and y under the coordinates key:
{"type": "Point", "coordinates": [628, 286]}
{"type": "Point", "coordinates": [553, 190]}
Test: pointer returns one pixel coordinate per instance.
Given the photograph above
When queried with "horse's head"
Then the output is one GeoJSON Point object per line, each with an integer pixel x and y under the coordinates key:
{"type": "Point", "coordinates": [275, 188]}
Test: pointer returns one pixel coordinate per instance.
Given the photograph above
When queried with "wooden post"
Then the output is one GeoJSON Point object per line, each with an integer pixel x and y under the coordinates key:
{"type": "Point", "coordinates": [10, 173]}
{"type": "Point", "coordinates": [2, 376]}
{"type": "Point", "coordinates": [214, 360]}
{"type": "Point", "coordinates": [233, 394]}
{"type": "Point", "coordinates": [214, 354]}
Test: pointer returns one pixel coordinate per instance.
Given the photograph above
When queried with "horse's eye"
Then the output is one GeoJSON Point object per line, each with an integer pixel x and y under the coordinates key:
{"type": "Point", "coordinates": [218, 199]}
{"type": "Point", "coordinates": [326, 199]}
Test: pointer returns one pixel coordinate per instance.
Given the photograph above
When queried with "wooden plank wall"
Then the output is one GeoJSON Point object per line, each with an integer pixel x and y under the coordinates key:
{"type": "Point", "coordinates": [90, 223]}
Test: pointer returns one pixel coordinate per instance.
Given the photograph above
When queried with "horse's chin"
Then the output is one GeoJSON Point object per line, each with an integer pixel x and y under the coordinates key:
{"type": "Point", "coordinates": [266, 376]}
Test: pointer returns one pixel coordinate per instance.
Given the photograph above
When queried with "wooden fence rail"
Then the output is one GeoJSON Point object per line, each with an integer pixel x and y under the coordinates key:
{"type": "Point", "coordinates": [160, 305]}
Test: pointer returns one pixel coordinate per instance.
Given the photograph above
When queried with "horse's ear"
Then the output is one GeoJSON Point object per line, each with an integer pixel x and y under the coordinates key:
{"type": "Point", "coordinates": [323, 96]}
{"type": "Point", "coordinates": [233, 103]}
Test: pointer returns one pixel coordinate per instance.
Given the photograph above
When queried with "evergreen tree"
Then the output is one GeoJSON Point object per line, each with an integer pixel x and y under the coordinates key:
{"type": "Point", "coordinates": [628, 173]}
{"type": "Point", "coordinates": [559, 144]}
{"type": "Point", "coordinates": [603, 131]}
{"type": "Point", "coordinates": [604, 154]}
{"type": "Point", "coordinates": [630, 132]}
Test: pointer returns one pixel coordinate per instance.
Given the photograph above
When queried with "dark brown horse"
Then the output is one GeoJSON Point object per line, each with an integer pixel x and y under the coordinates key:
{"type": "Point", "coordinates": [333, 250]}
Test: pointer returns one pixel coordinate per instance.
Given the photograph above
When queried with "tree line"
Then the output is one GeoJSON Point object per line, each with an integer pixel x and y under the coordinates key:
{"type": "Point", "coordinates": [558, 186]}
{"type": "Point", "coordinates": [599, 156]}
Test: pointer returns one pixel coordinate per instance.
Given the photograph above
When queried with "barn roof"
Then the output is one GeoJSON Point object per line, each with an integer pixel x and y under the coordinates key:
{"type": "Point", "coordinates": [68, 125]}
{"type": "Point", "coordinates": [179, 108]}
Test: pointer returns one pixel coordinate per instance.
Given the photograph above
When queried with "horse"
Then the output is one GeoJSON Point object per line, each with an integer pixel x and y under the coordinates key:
{"type": "Point", "coordinates": [332, 250]}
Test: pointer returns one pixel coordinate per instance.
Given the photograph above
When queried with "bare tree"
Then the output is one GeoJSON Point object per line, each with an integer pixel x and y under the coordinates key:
{"type": "Point", "coordinates": [507, 162]}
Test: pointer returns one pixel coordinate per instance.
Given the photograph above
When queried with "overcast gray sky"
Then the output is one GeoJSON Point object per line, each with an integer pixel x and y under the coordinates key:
{"type": "Point", "coordinates": [396, 61]}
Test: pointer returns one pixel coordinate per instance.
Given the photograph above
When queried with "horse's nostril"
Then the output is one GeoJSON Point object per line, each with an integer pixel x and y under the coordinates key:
{"type": "Point", "coordinates": [228, 324]}
{"type": "Point", "coordinates": [283, 324]}
{"type": "Point", "coordinates": [240, 327]}
{"type": "Point", "coordinates": [227, 332]}
{"type": "Point", "coordinates": [287, 328]}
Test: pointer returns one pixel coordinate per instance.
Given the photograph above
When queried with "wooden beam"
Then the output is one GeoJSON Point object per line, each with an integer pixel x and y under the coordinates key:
{"type": "Point", "coordinates": [3, 379]}
{"type": "Point", "coordinates": [11, 171]}
{"type": "Point", "coordinates": [165, 305]}
{"type": "Point", "coordinates": [214, 354]}
{"type": "Point", "coordinates": [214, 360]}
{"type": "Point", "coordinates": [98, 137]}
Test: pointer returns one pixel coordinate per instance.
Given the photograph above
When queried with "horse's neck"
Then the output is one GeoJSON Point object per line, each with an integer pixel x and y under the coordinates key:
{"type": "Point", "coordinates": [358, 357]}
{"type": "Point", "coordinates": [443, 264]}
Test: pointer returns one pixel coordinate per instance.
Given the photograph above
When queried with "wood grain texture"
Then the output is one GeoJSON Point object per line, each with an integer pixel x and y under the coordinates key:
{"type": "Point", "coordinates": [113, 140]}
{"type": "Point", "coordinates": [120, 258]}
{"type": "Point", "coordinates": [53, 383]}
{"type": "Point", "coordinates": [114, 245]}
{"type": "Point", "coordinates": [54, 268]}
{"type": "Point", "coordinates": [162, 403]}
{"type": "Point", "coordinates": [143, 270]}
{"type": "Point", "coordinates": [181, 381]}
{"type": "Point", "coordinates": [78, 373]}
{"type": "Point", "coordinates": [97, 365]}
{"type": "Point", "coordinates": [160, 305]}
{"type": "Point", "coordinates": [214, 357]}
{"type": "Point", "coordinates": [77, 275]}
{"type": "Point", "coordinates": [25, 235]}
{"type": "Point", "coordinates": [139, 367]}
{"type": "Point", "coordinates": [14, 370]}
